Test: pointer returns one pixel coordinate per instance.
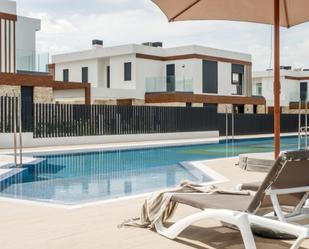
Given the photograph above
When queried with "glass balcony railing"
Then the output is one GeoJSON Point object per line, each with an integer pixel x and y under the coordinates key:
{"type": "Point", "coordinates": [30, 61]}
{"type": "Point", "coordinates": [168, 84]}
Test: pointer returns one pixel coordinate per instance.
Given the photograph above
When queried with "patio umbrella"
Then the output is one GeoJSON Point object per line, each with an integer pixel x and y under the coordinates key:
{"type": "Point", "coordinates": [285, 13]}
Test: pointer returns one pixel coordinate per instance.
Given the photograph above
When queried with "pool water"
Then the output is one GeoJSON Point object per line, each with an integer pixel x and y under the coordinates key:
{"type": "Point", "coordinates": [77, 178]}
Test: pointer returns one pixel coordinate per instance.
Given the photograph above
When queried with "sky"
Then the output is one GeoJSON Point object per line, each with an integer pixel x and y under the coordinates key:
{"type": "Point", "coordinates": [71, 25]}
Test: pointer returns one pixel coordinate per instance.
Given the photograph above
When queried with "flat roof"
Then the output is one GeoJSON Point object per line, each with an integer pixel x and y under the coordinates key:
{"type": "Point", "coordinates": [283, 73]}
{"type": "Point", "coordinates": [152, 51]}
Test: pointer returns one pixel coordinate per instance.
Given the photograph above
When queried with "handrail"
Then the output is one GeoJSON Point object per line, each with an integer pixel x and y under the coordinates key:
{"type": "Point", "coordinates": [302, 130]}
{"type": "Point", "coordinates": [20, 133]}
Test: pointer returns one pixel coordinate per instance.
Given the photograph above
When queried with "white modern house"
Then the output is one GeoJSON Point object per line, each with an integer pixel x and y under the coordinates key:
{"type": "Point", "coordinates": [22, 70]}
{"type": "Point", "coordinates": [294, 86]}
{"type": "Point", "coordinates": [149, 71]}
{"type": "Point", "coordinates": [18, 39]}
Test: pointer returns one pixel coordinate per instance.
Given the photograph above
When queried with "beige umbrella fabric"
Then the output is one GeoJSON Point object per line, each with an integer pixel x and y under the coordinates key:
{"type": "Point", "coordinates": [293, 12]}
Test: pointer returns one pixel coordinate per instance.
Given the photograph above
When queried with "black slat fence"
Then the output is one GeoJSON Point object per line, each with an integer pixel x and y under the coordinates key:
{"type": "Point", "coordinates": [64, 120]}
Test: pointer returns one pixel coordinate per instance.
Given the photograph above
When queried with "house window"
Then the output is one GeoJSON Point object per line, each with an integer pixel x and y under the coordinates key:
{"type": "Point", "coordinates": [303, 89]}
{"type": "Point", "coordinates": [85, 74]}
{"type": "Point", "coordinates": [238, 77]}
{"type": "Point", "coordinates": [66, 75]}
{"type": "Point", "coordinates": [127, 71]}
{"type": "Point", "coordinates": [210, 76]}
{"type": "Point", "coordinates": [108, 77]}
{"type": "Point", "coordinates": [259, 89]}
{"type": "Point", "coordinates": [235, 78]}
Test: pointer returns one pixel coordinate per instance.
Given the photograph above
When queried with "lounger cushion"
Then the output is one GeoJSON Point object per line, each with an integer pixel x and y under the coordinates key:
{"type": "Point", "coordinates": [216, 201]}
{"type": "Point", "coordinates": [227, 201]}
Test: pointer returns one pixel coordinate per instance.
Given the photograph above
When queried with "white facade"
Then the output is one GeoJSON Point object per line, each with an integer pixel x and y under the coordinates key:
{"type": "Point", "coordinates": [17, 38]}
{"type": "Point", "coordinates": [290, 80]}
{"type": "Point", "coordinates": [149, 69]}
{"type": "Point", "coordinates": [26, 29]}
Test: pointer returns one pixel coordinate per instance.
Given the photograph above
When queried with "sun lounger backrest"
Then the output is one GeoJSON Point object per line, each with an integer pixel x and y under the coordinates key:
{"type": "Point", "coordinates": [291, 170]}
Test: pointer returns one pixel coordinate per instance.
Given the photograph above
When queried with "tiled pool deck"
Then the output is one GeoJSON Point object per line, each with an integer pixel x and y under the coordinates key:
{"type": "Point", "coordinates": [34, 226]}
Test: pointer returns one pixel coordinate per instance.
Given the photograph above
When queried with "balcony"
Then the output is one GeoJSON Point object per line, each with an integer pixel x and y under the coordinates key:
{"type": "Point", "coordinates": [30, 61]}
{"type": "Point", "coordinates": [168, 84]}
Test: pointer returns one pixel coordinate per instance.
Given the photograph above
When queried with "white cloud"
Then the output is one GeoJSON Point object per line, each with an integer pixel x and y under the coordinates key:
{"type": "Point", "coordinates": [68, 27]}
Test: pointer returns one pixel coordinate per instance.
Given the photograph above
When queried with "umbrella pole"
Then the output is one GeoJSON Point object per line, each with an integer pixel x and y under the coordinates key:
{"type": "Point", "coordinates": [277, 77]}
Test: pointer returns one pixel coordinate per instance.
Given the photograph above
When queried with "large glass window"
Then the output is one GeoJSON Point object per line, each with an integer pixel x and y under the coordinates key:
{"type": "Point", "coordinates": [236, 78]}
{"type": "Point", "coordinates": [127, 71]}
{"type": "Point", "coordinates": [259, 89]}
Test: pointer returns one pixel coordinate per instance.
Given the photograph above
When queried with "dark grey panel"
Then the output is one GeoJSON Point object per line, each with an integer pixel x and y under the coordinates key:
{"type": "Point", "coordinates": [85, 74]}
{"type": "Point", "coordinates": [210, 76]}
{"type": "Point", "coordinates": [66, 75]}
{"type": "Point", "coordinates": [108, 77]}
{"type": "Point", "coordinates": [303, 88]}
{"type": "Point", "coordinates": [127, 71]}
{"type": "Point", "coordinates": [170, 77]}
{"type": "Point", "coordinates": [238, 68]}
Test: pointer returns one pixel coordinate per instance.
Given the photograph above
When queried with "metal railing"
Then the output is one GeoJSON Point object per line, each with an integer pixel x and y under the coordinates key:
{"type": "Point", "coordinates": [169, 84]}
{"type": "Point", "coordinates": [29, 60]}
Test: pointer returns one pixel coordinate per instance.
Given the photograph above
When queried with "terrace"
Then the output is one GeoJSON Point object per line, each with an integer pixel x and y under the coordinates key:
{"type": "Point", "coordinates": [95, 225]}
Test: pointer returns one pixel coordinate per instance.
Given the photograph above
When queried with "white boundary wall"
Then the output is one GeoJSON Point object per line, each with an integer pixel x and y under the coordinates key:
{"type": "Point", "coordinates": [7, 139]}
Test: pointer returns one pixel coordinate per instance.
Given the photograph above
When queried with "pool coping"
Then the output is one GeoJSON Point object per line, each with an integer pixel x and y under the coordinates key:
{"type": "Point", "coordinates": [134, 145]}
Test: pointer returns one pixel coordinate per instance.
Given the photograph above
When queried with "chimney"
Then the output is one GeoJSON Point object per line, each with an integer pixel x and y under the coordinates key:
{"type": "Point", "coordinates": [97, 44]}
{"type": "Point", "coordinates": [153, 44]}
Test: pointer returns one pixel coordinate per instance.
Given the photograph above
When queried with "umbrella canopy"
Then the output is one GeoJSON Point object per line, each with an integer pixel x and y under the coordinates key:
{"type": "Point", "coordinates": [285, 13]}
{"type": "Point", "coordinates": [293, 12]}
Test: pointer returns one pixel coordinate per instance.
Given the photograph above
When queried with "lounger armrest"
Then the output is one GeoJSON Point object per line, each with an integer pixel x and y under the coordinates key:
{"type": "Point", "coordinates": [284, 191]}
{"type": "Point", "coordinates": [252, 186]}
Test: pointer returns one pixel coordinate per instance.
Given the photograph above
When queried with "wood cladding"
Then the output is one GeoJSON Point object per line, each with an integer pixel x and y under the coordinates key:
{"type": "Point", "coordinates": [296, 78]}
{"type": "Point", "coordinates": [7, 16]}
{"type": "Point", "coordinates": [7, 43]}
{"type": "Point", "coordinates": [191, 56]}
{"type": "Point", "coordinates": [13, 79]}
{"type": "Point", "coordinates": [295, 105]}
{"type": "Point", "coordinates": [202, 98]}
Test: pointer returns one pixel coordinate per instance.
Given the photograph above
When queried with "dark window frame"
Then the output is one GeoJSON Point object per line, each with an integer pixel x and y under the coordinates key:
{"type": "Point", "coordinates": [85, 75]}
{"type": "Point", "coordinates": [128, 71]}
{"type": "Point", "coordinates": [210, 73]}
{"type": "Point", "coordinates": [108, 77]}
{"type": "Point", "coordinates": [303, 90]}
{"type": "Point", "coordinates": [66, 75]}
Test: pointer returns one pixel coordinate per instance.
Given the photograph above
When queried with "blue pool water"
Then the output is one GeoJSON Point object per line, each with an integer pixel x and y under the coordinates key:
{"type": "Point", "coordinates": [85, 177]}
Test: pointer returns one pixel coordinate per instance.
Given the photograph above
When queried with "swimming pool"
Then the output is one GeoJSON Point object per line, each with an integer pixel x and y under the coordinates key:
{"type": "Point", "coordinates": [82, 177]}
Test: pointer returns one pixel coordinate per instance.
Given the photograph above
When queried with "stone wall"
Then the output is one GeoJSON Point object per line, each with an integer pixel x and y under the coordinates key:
{"type": "Point", "coordinates": [105, 102]}
{"type": "Point", "coordinates": [287, 110]}
{"type": "Point", "coordinates": [174, 104]}
{"type": "Point", "coordinates": [138, 102]}
{"type": "Point", "coordinates": [197, 105]}
{"type": "Point", "coordinates": [248, 109]}
{"type": "Point", "coordinates": [42, 95]}
{"type": "Point", "coordinates": [9, 90]}
{"type": "Point", "coordinates": [261, 109]}
{"type": "Point", "coordinates": [223, 108]}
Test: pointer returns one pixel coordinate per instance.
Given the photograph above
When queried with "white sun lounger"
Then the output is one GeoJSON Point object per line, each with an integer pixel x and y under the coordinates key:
{"type": "Point", "coordinates": [286, 187]}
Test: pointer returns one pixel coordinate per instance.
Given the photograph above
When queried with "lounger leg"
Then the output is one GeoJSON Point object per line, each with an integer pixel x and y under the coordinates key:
{"type": "Point", "coordinates": [246, 232]}
{"type": "Point", "coordinates": [299, 242]}
{"type": "Point", "coordinates": [235, 218]}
